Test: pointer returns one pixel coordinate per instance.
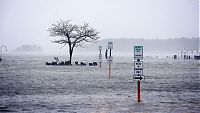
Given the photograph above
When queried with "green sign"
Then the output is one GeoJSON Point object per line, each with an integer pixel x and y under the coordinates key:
{"type": "Point", "coordinates": [138, 52]}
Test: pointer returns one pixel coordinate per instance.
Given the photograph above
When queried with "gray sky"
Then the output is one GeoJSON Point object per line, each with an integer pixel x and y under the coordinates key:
{"type": "Point", "coordinates": [26, 21]}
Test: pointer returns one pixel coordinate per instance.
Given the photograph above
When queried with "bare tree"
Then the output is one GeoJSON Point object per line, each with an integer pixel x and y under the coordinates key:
{"type": "Point", "coordinates": [72, 35]}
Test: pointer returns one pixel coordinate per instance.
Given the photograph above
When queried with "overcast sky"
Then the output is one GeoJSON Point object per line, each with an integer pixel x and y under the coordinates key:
{"type": "Point", "coordinates": [26, 21]}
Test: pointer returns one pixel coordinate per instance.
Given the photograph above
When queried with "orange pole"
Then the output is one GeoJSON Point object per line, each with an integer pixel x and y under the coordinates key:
{"type": "Point", "coordinates": [138, 99]}
{"type": "Point", "coordinates": [109, 70]}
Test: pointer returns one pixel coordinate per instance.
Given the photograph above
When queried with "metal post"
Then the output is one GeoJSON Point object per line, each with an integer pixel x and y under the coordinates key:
{"type": "Point", "coordinates": [100, 56]}
{"type": "Point", "coordinates": [106, 54]}
{"type": "Point", "coordinates": [138, 96]}
{"type": "Point", "coordinates": [110, 46]}
{"type": "Point", "coordinates": [110, 52]}
{"type": "Point", "coordinates": [110, 66]}
{"type": "Point", "coordinates": [100, 62]}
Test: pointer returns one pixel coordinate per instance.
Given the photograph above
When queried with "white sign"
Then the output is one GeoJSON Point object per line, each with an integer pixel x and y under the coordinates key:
{"type": "Point", "coordinates": [138, 77]}
{"type": "Point", "coordinates": [110, 59]}
{"type": "Point", "coordinates": [100, 47]}
{"type": "Point", "coordinates": [138, 64]}
{"type": "Point", "coordinates": [110, 45]}
{"type": "Point", "coordinates": [138, 52]}
{"type": "Point", "coordinates": [100, 57]}
{"type": "Point", "coordinates": [138, 72]}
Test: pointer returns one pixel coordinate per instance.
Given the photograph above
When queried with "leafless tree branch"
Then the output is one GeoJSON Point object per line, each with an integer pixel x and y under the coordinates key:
{"type": "Point", "coordinates": [72, 34]}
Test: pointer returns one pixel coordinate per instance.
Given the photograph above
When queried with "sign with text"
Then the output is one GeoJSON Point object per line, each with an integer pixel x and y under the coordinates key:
{"type": "Point", "coordinates": [138, 77]}
{"type": "Point", "coordinates": [110, 45]}
{"type": "Point", "coordinates": [138, 52]}
{"type": "Point", "coordinates": [100, 57]}
{"type": "Point", "coordinates": [138, 72]}
{"type": "Point", "coordinates": [138, 64]}
{"type": "Point", "coordinates": [110, 59]}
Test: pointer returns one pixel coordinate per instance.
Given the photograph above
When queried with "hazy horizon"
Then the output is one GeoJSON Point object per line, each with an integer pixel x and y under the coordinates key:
{"type": "Point", "coordinates": [122, 47]}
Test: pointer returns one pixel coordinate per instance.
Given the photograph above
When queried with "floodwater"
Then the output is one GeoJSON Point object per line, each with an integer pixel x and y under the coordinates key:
{"type": "Point", "coordinates": [27, 85]}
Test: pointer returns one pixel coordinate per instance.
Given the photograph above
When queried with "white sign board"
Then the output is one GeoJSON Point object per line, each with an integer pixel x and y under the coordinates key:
{"type": "Point", "coordinates": [138, 72]}
{"type": "Point", "coordinates": [110, 45]}
{"type": "Point", "coordinates": [100, 57]}
{"type": "Point", "coordinates": [100, 47]}
{"type": "Point", "coordinates": [138, 77]}
{"type": "Point", "coordinates": [138, 52]}
{"type": "Point", "coordinates": [138, 64]}
{"type": "Point", "coordinates": [110, 59]}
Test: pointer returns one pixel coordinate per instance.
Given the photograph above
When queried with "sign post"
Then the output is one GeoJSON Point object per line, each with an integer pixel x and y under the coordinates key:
{"type": "Point", "coordinates": [110, 58]}
{"type": "Point", "coordinates": [100, 56]}
{"type": "Point", "coordinates": [138, 68]}
{"type": "Point", "coordinates": [1, 52]}
{"type": "Point", "coordinates": [138, 97]}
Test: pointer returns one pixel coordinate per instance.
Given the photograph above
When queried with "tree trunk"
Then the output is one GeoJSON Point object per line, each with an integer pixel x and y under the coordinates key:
{"type": "Point", "coordinates": [70, 53]}
{"type": "Point", "coordinates": [71, 49]}
{"type": "Point", "coordinates": [70, 56]}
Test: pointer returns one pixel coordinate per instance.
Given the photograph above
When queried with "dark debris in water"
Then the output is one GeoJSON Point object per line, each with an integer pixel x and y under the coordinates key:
{"type": "Point", "coordinates": [6, 109]}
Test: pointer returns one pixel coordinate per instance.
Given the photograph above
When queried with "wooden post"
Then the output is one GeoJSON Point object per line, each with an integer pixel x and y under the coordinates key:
{"type": "Point", "coordinates": [138, 96]}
